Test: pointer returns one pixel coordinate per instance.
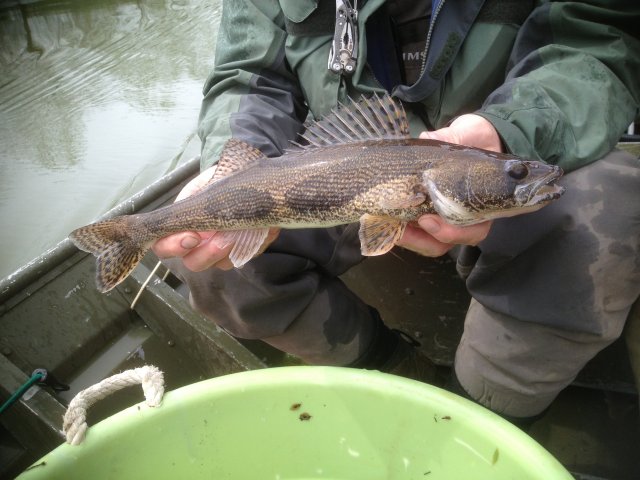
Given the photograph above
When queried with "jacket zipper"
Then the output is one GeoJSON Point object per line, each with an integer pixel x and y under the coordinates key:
{"type": "Point", "coordinates": [429, 34]}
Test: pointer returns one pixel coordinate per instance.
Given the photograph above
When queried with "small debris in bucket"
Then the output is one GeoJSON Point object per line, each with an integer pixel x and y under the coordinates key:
{"type": "Point", "coordinates": [445, 417]}
{"type": "Point", "coordinates": [296, 406]}
{"type": "Point", "coordinates": [305, 416]}
{"type": "Point", "coordinates": [496, 455]}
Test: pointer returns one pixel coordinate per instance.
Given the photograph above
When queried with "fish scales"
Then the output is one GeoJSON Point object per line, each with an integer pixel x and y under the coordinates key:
{"type": "Point", "coordinates": [261, 197]}
{"type": "Point", "coordinates": [383, 183]}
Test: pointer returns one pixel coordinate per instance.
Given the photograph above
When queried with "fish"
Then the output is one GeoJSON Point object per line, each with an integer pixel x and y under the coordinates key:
{"type": "Point", "coordinates": [357, 164]}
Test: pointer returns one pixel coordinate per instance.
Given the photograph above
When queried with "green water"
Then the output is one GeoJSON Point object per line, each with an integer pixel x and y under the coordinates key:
{"type": "Point", "coordinates": [98, 98]}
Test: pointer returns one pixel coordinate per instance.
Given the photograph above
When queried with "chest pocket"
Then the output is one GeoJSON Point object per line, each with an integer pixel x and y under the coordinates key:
{"type": "Point", "coordinates": [309, 25]}
{"type": "Point", "coordinates": [297, 11]}
{"type": "Point", "coordinates": [309, 18]}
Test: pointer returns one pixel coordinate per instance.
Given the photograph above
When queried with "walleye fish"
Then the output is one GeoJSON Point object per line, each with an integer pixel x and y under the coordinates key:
{"type": "Point", "coordinates": [358, 164]}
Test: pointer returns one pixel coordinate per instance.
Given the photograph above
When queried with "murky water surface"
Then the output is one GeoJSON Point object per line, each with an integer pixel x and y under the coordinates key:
{"type": "Point", "coordinates": [97, 100]}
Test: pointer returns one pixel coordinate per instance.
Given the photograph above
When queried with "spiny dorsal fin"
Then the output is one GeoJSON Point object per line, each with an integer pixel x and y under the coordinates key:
{"type": "Point", "coordinates": [236, 155]}
{"type": "Point", "coordinates": [367, 119]}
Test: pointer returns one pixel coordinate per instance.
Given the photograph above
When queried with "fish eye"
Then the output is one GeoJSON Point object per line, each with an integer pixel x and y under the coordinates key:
{"type": "Point", "coordinates": [518, 170]}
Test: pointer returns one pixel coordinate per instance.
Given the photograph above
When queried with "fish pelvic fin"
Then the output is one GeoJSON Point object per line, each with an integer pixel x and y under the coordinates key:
{"type": "Point", "coordinates": [370, 118]}
{"type": "Point", "coordinates": [116, 251]}
{"type": "Point", "coordinates": [379, 234]}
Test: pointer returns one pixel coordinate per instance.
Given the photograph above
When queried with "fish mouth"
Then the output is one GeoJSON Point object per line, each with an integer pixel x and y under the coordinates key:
{"type": "Point", "coordinates": [542, 190]}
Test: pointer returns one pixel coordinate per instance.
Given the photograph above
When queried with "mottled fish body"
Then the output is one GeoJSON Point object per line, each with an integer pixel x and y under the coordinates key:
{"type": "Point", "coordinates": [359, 165]}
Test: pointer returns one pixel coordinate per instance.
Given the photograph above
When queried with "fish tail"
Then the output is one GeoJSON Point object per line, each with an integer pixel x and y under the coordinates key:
{"type": "Point", "coordinates": [117, 251]}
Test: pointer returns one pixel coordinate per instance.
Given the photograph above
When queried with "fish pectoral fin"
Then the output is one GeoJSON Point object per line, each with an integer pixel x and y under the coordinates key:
{"type": "Point", "coordinates": [246, 244]}
{"type": "Point", "coordinates": [412, 199]}
{"type": "Point", "coordinates": [379, 234]}
{"type": "Point", "coordinates": [236, 155]}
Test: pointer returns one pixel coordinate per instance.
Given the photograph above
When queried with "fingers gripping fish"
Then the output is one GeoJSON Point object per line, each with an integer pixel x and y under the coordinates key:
{"type": "Point", "coordinates": [358, 164]}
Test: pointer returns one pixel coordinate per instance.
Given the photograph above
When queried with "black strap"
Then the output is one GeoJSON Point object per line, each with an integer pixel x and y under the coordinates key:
{"type": "Point", "coordinates": [322, 20]}
{"type": "Point", "coordinates": [505, 11]}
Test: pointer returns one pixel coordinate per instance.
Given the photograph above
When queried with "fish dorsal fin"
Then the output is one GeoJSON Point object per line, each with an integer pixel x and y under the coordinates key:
{"type": "Point", "coordinates": [379, 234]}
{"type": "Point", "coordinates": [236, 155]}
{"type": "Point", "coordinates": [370, 118]}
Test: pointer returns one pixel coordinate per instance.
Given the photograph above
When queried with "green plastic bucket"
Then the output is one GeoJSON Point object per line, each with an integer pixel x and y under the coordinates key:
{"type": "Point", "coordinates": [303, 423]}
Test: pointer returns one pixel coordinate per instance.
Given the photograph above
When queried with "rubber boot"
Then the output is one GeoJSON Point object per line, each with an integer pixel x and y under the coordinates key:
{"type": "Point", "coordinates": [523, 423]}
{"type": "Point", "coordinates": [395, 352]}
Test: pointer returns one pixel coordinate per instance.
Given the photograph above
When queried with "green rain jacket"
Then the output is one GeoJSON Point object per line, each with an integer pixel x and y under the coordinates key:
{"type": "Point", "coordinates": [560, 81]}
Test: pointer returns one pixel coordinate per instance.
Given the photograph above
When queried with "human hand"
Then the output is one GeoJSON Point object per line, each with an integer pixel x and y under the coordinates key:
{"type": "Point", "coordinates": [200, 250]}
{"type": "Point", "coordinates": [432, 236]}
{"type": "Point", "coordinates": [470, 130]}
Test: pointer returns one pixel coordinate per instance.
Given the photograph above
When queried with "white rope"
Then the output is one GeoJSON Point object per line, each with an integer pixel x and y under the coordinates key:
{"type": "Point", "coordinates": [75, 418]}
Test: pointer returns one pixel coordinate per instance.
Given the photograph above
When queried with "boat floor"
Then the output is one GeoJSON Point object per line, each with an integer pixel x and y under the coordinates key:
{"type": "Point", "coordinates": [592, 427]}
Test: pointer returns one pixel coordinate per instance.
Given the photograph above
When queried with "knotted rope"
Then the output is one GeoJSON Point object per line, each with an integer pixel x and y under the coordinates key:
{"type": "Point", "coordinates": [75, 418]}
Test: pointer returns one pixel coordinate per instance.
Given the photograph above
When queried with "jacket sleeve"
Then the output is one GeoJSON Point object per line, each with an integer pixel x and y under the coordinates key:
{"type": "Point", "coordinates": [251, 94]}
{"type": "Point", "coordinates": [572, 86]}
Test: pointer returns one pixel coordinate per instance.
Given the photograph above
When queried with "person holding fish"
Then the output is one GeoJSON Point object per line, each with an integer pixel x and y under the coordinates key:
{"type": "Point", "coordinates": [534, 87]}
